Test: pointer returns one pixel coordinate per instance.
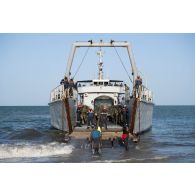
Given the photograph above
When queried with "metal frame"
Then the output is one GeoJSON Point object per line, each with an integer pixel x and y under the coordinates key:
{"type": "Point", "coordinates": [102, 44]}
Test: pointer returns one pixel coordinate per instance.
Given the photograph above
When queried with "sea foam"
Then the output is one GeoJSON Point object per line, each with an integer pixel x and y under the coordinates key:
{"type": "Point", "coordinates": [24, 150]}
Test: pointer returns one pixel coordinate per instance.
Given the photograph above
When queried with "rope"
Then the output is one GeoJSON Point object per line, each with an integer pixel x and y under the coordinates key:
{"type": "Point", "coordinates": [122, 63]}
{"type": "Point", "coordinates": [86, 52]}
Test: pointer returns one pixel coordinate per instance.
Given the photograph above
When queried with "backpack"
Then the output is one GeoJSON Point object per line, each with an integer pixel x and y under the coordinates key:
{"type": "Point", "coordinates": [95, 134]}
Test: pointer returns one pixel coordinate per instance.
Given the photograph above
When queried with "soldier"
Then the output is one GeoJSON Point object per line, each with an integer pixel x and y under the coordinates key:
{"type": "Point", "coordinates": [138, 83]}
{"type": "Point", "coordinates": [90, 118]}
{"type": "Point", "coordinates": [78, 116]}
{"type": "Point", "coordinates": [120, 115]}
{"type": "Point", "coordinates": [115, 115]}
{"type": "Point", "coordinates": [103, 119]}
{"type": "Point", "coordinates": [125, 138]}
{"type": "Point", "coordinates": [71, 85]}
{"type": "Point", "coordinates": [96, 118]}
{"type": "Point", "coordinates": [66, 83]}
{"type": "Point", "coordinates": [84, 110]}
{"type": "Point", "coordinates": [95, 138]}
{"type": "Point", "coordinates": [111, 114]}
{"type": "Point", "coordinates": [62, 82]}
{"type": "Point", "coordinates": [125, 115]}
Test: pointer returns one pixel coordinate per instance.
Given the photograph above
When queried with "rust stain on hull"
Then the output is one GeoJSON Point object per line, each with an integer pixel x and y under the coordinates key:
{"type": "Point", "coordinates": [133, 115]}
{"type": "Point", "coordinates": [68, 117]}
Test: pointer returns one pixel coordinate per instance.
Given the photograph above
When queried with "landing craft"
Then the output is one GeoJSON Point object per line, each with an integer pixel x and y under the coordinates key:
{"type": "Point", "coordinates": [103, 93]}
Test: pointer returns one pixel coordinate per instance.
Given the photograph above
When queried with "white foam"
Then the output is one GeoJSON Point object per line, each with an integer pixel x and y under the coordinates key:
{"type": "Point", "coordinates": [134, 159]}
{"type": "Point", "coordinates": [34, 150]}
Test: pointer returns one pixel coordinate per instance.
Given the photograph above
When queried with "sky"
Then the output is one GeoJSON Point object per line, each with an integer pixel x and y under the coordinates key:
{"type": "Point", "coordinates": [31, 65]}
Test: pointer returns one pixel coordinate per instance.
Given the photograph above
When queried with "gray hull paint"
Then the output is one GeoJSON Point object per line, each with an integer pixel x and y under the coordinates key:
{"type": "Point", "coordinates": [143, 120]}
{"type": "Point", "coordinates": [59, 119]}
{"type": "Point", "coordinates": [58, 114]}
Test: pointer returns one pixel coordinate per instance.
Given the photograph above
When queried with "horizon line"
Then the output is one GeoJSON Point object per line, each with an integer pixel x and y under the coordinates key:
{"type": "Point", "coordinates": [154, 105]}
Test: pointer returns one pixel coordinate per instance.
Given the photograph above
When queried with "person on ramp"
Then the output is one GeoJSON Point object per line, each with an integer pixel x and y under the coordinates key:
{"type": "Point", "coordinates": [90, 118]}
{"type": "Point", "coordinates": [78, 112]}
{"type": "Point", "coordinates": [103, 119]}
{"type": "Point", "coordinates": [124, 141]}
{"type": "Point", "coordinates": [95, 139]}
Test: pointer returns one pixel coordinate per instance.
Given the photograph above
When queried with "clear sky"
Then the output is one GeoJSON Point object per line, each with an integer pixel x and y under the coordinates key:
{"type": "Point", "coordinates": [31, 65]}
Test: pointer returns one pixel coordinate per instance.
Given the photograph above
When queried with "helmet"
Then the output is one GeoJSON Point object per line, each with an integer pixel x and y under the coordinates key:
{"type": "Point", "coordinates": [99, 129]}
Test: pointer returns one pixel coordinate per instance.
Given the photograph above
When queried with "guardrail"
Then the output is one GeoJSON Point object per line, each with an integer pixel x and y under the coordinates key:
{"type": "Point", "coordinates": [59, 93]}
{"type": "Point", "coordinates": [144, 94]}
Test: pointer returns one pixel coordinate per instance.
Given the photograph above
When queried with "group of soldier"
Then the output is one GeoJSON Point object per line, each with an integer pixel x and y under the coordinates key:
{"type": "Point", "coordinates": [69, 85]}
{"type": "Point", "coordinates": [101, 115]}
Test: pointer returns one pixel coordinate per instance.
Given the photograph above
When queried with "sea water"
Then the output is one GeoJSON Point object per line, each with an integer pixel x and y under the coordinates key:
{"type": "Point", "coordinates": [27, 136]}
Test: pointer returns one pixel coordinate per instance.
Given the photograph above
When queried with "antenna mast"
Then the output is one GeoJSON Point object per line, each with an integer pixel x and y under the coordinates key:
{"type": "Point", "coordinates": [100, 64]}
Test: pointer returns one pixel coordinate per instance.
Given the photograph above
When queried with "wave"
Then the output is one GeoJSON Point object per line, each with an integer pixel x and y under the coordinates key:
{"type": "Point", "coordinates": [24, 150]}
{"type": "Point", "coordinates": [134, 160]}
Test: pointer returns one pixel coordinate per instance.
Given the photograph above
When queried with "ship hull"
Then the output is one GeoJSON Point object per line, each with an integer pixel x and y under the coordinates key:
{"type": "Point", "coordinates": [143, 116]}
{"type": "Point", "coordinates": [59, 115]}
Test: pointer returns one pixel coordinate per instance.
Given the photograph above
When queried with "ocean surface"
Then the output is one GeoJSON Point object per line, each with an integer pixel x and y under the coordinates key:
{"type": "Point", "coordinates": [27, 136]}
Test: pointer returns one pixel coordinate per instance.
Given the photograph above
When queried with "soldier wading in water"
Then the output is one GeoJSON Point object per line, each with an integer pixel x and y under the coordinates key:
{"type": "Point", "coordinates": [95, 139]}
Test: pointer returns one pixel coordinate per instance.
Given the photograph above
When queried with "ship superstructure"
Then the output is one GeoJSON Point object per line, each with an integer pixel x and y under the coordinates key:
{"type": "Point", "coordinates": [101, 92]}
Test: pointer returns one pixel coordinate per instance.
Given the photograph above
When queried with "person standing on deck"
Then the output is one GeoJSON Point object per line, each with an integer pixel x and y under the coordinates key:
{"type": "Point", "coordinates": [84, 111]}
{"type": "Point", "coordinates": [78, 123]}
{"type": "Point", "coordinates": [125, 115]}
{"type": "Point", "coordinates": [90, 118]}
{"type": "Point", "coordinates": [120, 116]}
{"type": "Point", "coordinates": [103, 119]}
{"type": "Point", "coordinates": [71, 85]}
{"type": "Point", "coordinates": [138, 83]}
{"type": "Point", "coordinates": [96, 118]}
{"type": "Point", "coordinates": [115, 115]}
{"type": "Point", "coordinates": [62, 82]}
{"type": "Point", "coordinates": [66, 83]}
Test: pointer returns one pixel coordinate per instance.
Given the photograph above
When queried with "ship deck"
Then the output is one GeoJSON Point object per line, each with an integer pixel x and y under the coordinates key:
{"type": "Point", "coordinates": [112, 132]}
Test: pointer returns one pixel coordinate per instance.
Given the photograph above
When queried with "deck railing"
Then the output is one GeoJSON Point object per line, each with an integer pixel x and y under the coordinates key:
{"type": "Point", "coordinates": [59, 93]}
{"type": "Point", "coordinates": [144, 94]}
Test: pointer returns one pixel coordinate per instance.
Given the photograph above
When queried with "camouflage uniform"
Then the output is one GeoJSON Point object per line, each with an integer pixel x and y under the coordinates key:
{"type": "Point", "coordinates": [90, 118]}
{"type": "Point", "coordinates": [125, 115]}
{"type": "Point", "coordinates": [78, 116]}
{"type": "Point", "coordinates": [84, 114]}
{"type": "Point", "coordinates": [103, 120]}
